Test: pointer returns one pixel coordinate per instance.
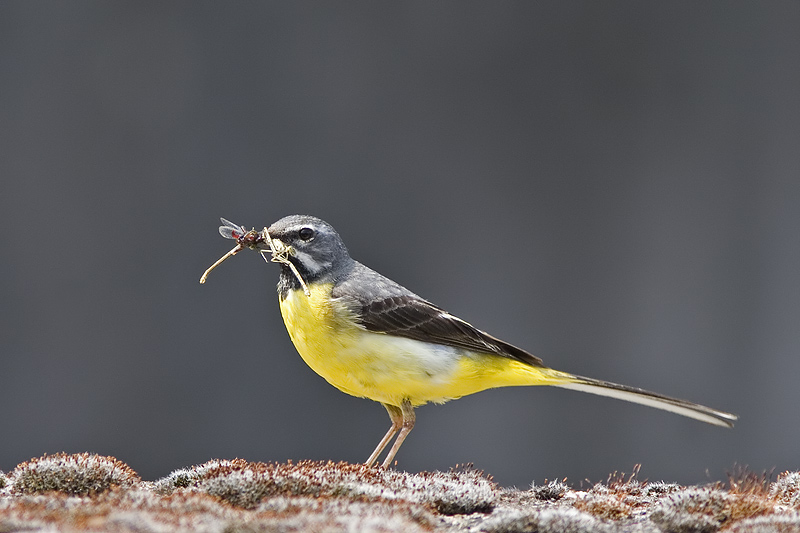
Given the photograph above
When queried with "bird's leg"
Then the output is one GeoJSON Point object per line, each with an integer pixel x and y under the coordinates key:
{"type": "Point", "coordinates": [407, 412]}
{"type": "Point", "coordinates": [396, 415]}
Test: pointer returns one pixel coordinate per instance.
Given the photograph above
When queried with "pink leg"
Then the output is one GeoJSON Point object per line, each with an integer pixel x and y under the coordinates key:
{"type": "Point", "coordinates": [396, 415]}
{"type": "Point", "coordinates": [408, 419]}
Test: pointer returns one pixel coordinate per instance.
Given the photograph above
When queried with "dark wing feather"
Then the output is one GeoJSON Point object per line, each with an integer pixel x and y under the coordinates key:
{"type": "Point", "coordinates": [414, 318]}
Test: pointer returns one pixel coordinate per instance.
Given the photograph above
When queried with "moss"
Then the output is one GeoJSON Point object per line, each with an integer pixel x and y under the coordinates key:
{"type": "Point", "coordinates": [789, 523]}
{"type": "Point", "coordinates": [244, 484]}
{"type": "Point", "coordinates": [548, 520]}
{"type": "Point", "coordinates": [607, 507]}
{"type": "Point", "coordinates": [94, 493]}
{"type": "Point", "coordinates": [551, 491]}
{"type": "Point", "coordinates": [708, 509]}
{"type": "Point", "coordinates": [177, 479]}
{"type": "Point", "coordinates": [73, 474]}
{"type": "Point", "coordinates": [786, 489]}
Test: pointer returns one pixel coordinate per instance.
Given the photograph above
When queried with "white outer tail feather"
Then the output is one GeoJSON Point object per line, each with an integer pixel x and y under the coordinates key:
{"type": "Point", "coordinates": [651, 399]}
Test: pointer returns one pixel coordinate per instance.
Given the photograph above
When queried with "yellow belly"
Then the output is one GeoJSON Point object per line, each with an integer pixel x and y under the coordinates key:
{"type": "Point", "coordinates": [390, 369]}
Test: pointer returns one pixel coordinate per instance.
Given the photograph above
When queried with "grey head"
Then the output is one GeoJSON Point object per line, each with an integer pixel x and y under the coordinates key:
{"type": "Point", "coordinates": [318, 252]}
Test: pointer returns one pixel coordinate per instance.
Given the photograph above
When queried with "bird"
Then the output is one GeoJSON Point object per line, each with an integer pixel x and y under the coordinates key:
{"type": "Point", "coordinates": [370, 337]}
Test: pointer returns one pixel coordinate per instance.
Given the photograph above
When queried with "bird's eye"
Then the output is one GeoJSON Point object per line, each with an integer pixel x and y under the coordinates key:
{"type": "Point", "coordinates": [306, 234]}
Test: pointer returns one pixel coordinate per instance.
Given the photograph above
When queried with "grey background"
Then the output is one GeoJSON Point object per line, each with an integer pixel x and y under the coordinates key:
{"type": "Point", "coordinates": [614, 186]}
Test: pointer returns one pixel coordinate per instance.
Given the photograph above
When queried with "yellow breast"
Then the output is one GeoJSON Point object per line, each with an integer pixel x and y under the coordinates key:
{"type": "Point", "coordinates": [381, 367]}
{"type": "Point", "coordinates": [386, 368]}
{"type": "Point", "coordinates": [320, 329]}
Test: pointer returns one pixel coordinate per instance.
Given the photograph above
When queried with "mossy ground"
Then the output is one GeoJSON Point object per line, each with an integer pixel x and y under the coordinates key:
{"type": "Point", "coordinates": [86, 492]}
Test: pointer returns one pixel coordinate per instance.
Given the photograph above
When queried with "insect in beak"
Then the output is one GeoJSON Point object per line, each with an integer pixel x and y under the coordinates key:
{"type": "Point", "coordinates": [259, 241]}
{"type": "Point", "coordinates": [244, 239]}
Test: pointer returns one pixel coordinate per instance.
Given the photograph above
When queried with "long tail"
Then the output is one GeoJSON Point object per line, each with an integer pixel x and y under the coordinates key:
{"type": "Point", "coordinates": [652, 399]}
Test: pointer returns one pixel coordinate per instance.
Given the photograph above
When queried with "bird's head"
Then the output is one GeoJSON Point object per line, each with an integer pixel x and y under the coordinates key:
{"type": "Point", "coordinates": [312, 246]}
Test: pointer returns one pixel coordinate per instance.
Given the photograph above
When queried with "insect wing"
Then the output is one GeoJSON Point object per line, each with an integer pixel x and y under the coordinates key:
{"type": "Point", "coordinates": [229, 230]}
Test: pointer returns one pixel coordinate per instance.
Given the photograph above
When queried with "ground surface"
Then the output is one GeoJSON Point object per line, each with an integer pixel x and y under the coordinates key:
{"type": "Point", "coordinates": [85, 492]}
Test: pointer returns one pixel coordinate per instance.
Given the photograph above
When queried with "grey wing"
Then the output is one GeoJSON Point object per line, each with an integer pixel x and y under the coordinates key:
{"type": "Point", "coordinates": [407, 316]}
{"type": "Point", "coordinates": [383, 306]}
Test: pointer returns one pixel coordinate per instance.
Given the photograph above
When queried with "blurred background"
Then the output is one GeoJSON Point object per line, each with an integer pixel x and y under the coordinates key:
{"type": "Point", "coordinates": [613, 186]}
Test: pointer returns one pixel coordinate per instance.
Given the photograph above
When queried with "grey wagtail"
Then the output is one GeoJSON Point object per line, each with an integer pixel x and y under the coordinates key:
{"type": "Point", "coordinates": [373, 338]}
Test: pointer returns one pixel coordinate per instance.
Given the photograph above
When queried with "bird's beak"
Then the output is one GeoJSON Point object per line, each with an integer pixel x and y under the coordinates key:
{"type": "Point", "coordinates": [266, 242]}
{"type": "Point", "coordinates": [263, 242]}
